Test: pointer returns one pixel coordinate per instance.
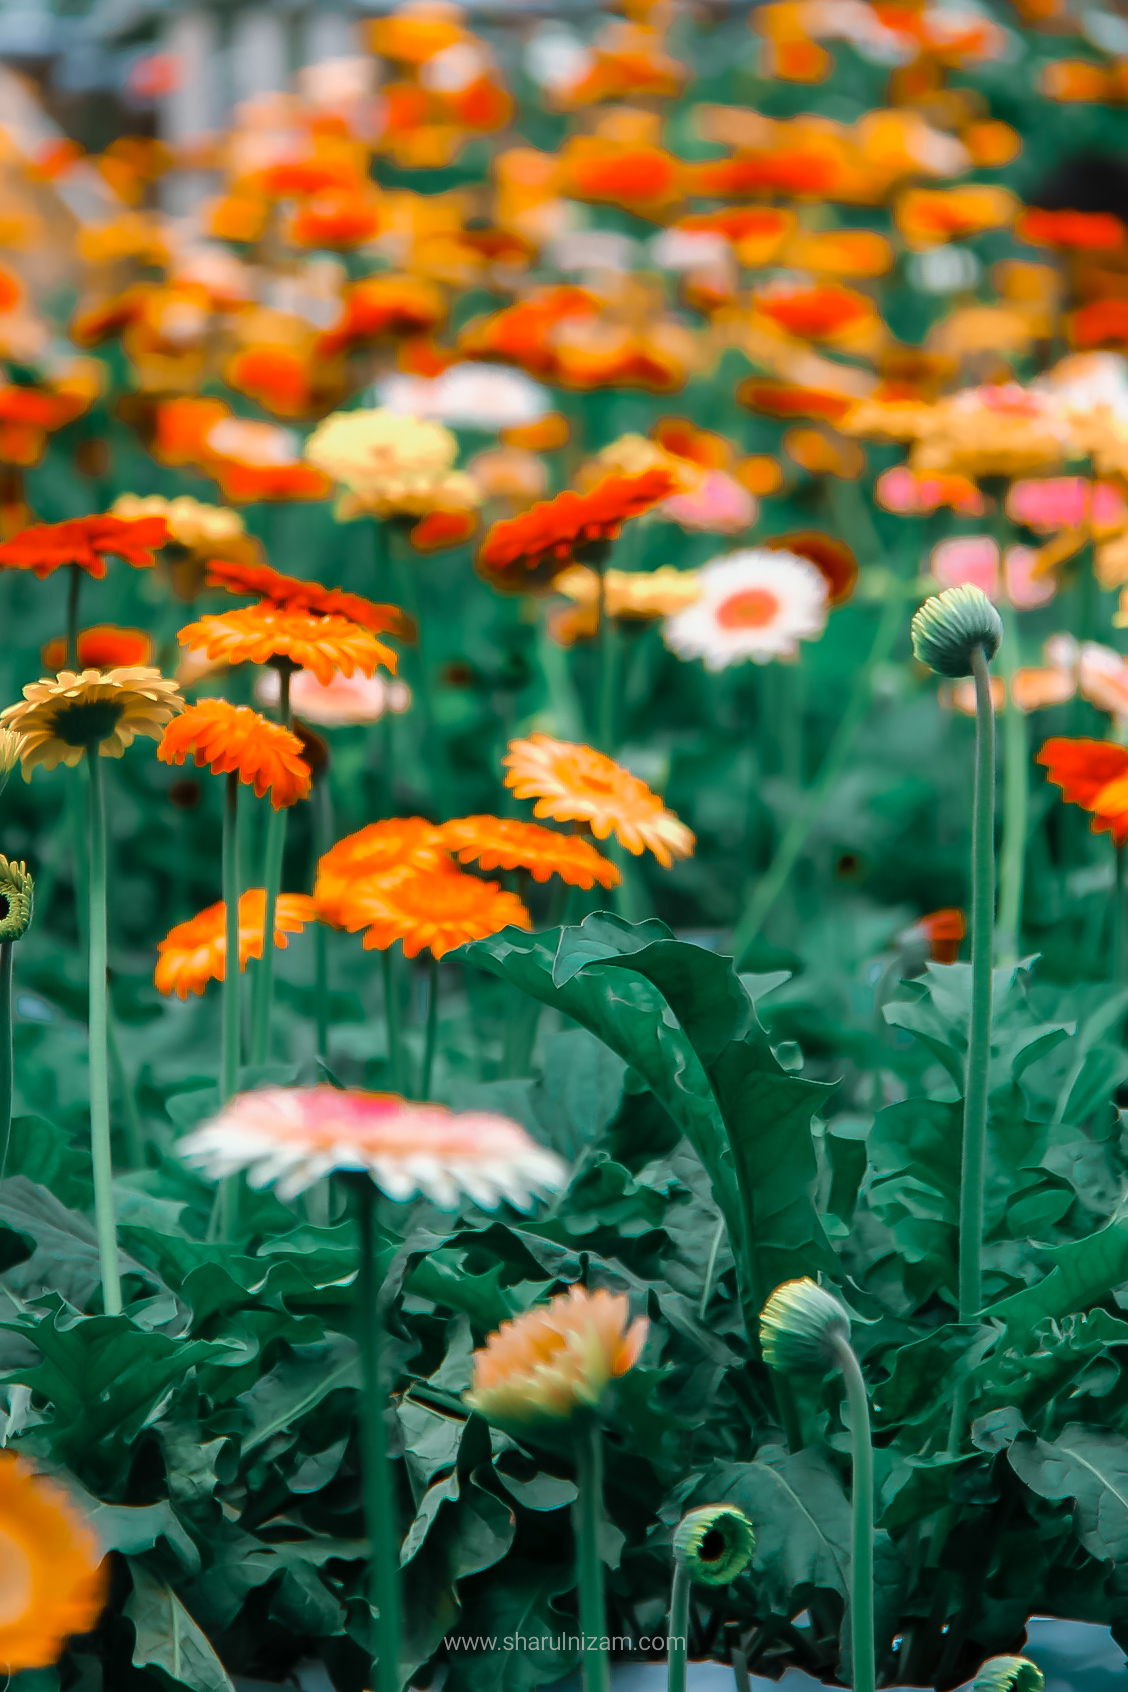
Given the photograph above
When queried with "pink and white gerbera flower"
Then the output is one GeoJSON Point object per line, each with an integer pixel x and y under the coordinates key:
{"type": "Point", "coordinates": [753, 604]}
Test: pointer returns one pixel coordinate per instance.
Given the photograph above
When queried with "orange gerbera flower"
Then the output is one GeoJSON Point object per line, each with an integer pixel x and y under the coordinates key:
{"type": "Point", "coordinates": [1094, 775]}
{"type": "Point", "coordinates": [195, 952]}
{"type": "Point", "coordinates": [85, 541]}
{"type": "Point", "coordinates": [102, 648]}
{"type": "Point", "coordinates": [1096, 325]}
{"type": "Point", "coordinates": [817, 313]}
{"type": "Point", "coordinates": [1090, 231]}
{"type": "Point", "coordinates": [788, 399]}
{"type": "Point", "coordinates": [233, 738]}
{"type": "Point", "coordinates": [340, 218]}
{"type": "Point", "coordinates": [384, 305]}
{"type": "Point", "coordinates": [440, 529]}
{"type": "Point", "coordinates": [642, 179]}
{"type": "Point", "coordinates": [54, 1577]}
{"type": "Point", "coordinates": [258, 633]}
{"type": "Point", "coordinates": [290, 591]}
{"type": "Point", "coordinates": [556, 528]}
{"type": "Point", "coordinates": [433, 909]}
{"type": "Point", "coordinates": [505, 843]}
{"type": "Point", "coordinates": [576, 784]}
{"type": "Point", "coordinates": [382, 849]}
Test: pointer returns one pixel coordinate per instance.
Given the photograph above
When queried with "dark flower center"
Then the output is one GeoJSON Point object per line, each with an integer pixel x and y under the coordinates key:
{"type": "Point", "coordinates": [88, 724]}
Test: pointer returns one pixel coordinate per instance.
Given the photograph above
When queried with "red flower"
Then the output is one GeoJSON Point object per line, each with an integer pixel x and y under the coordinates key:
{"type": "Point", "coordinates": [554, 528]}
{"type": "Point", "coordinates": [440, 529]}
{"type": "Point", "coordinates": [86, 541]}
{"type": "Point", "coordinates": [1094, 231]}
{"type": "Point", "coordinates": [1094, 775]}
{"type": "Point", "coordinates": [297, 595]}
{"type": "Point", "coordinates": [1098, 323]}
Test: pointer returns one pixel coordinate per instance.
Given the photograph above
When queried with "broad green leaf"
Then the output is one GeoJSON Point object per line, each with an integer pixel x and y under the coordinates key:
{"type": "Point", "coordinates": [1090, 1466]}
{"type": "Point", "coordinates": [524, 1640]}
{"type": "Point", "coordinates": [167, 1639]}
{"type": "Point", "coordinates": [64, 1254]}
{"type": "Point", "coordinates": [1084, 1271]}
{"type": "Point", "coordinates": [296, 1386]}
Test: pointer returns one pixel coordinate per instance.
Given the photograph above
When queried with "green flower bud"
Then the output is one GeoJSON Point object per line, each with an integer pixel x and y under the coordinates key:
{"type": "Point", "coordinates": [949, 626]}
{"type": "Point", "coordinates": [18, 890]}
{"type": "Point", "coordinates": [800, 1325]}
{"type": "Point", "coordinates": [714, 1544]}
{"type": "Point", "coordinates": [1009, 1674]}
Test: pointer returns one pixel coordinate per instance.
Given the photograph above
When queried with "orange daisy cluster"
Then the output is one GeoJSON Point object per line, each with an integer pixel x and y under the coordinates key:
{"type": "Point", "coordinates": [573, 783]}
{"type": "Point", "coordinates": [86, 542]}
{"type": "Point", "coordinates": [258, 633]}
{"type": "Point", "coordinates": [195, 952]}
{"type": "Point", "coordinates": [234, 739]}
{"type": "Point", "coordinates": [295, 594]}
{"type": "Point", "coordinates": [1094, 775]}
{"type": "Point", "coordinates": [556, 528]}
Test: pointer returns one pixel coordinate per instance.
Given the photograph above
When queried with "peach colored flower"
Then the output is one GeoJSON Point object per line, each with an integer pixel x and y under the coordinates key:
{"type": "Point", "coordinates": [573, 783]}
{"type": "Point", "coordinates": [557, 1359]}
{"type": "Point", "coordinates": [290, 1137]}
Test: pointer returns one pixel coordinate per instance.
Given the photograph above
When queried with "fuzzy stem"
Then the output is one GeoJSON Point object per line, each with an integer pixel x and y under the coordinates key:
{"type": "Point", "coordinates": [609, 647]}
{"type": "Point", "coordinates": [1119, 922]}
{"type": "Point", "coordinates": [99, 1069]}
{"type": "Point", "coordinates": [134, 1132]}
{"type": "Point", "coordinates": [677, 1639]}
{"type": "Point", "coordinates": [263, 998]}
{"type": "Point", "coordinates": [589, 1564]}
{"type": "Point", "coordinates": [7, 1062]}
{"type": "Point", "coordinates": [1012, 866]}
{"type": "Point", "coordinates": [379, 1490]}
{"type": "Point", "coordinates": [711, 1268]}
{"type": "Point", "coordinates": [229, 1078]}
{"type": "Point", "coordinates": [979, 1038]}
{"type": "Point", "coordinates": [73, 586]}
{"type": "Point", "coordinates": [432, 1027]}
{"type": "Point", "coordinates": [392, 1019]}
{"type": "Point", "coordinates": [861, 1495]}
{"type": "Point", "coordinates": [795, 836]}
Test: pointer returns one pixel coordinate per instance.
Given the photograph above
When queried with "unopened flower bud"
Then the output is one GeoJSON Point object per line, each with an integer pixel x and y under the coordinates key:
{"type": "Point", "coordinates": [17, 891]}
{"type": "Point", "coordinates": [949, 626]}
{"type": "Point", "coordinates": [801, 1325]}
{"type": "Point", "coordinates": [714, 1544]}
{"type": "Point", "coordinates": [1009, 1674]}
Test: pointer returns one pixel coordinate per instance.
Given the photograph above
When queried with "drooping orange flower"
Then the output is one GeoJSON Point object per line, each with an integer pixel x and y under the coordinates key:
{"type": "Point", "coordinates": [1086, 231]}
{"type": "Point", "coordinates": [1094, 775]}
{"type": "Point", "coordinates": [556, 528]}
{"type": "Point", "coordinates": [55, 1580]}
{"type": "Point", "coordinates": [436, 910]}
{"type": "Point", "coordinates": [506, 843]}
{"type": "Point", "coordinates": [233, 738]}
{"type": "Point", "coordinates": [267, 583]}
{"type": "Point", "coordinates": [257, 633]}
{"type": "Point", "coordinates": [573, 783]}
{"type": "Point", "coordinates": [103, 647]}
{"type": "Point", "coordinates": [87, 542]}
{"type": "Point", "coordinates": [195, 952]}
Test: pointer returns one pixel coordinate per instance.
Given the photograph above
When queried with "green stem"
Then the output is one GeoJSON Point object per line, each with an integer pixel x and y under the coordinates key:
{"type": "Point", "coordinates": [979, 1037]}
{"type": "Point", "coordinates": [7, 1060]}
{"type": "Point", "coordinates": [1012, 865]}
{"type": "Point", "coordinates": [861, 1499]}
{"type": "Point", "coordinates": [379, 1490]}
{"type": "Point", "coordinates": [134, 1132]}
{"type": "Point", "coordinates": [432, 1027]}
{"type": "Point", "coordinates": [711, 1268]}
{"type": "Point", "coordinates": [798, 830]}
{"type": "Point", "coordinates": [229, 1074]}
{"type": "Point", "coordinates": [392, 1019]}
{"type": "Point", "coordinates": [99, 1069]}
{"type": "Point", "coordinates": [677, 1639]}
{"type": "Point", "coordinates": [263, 997]}
{"type": "Point", "coordinates": [73, 586]}
{"type": "Point", "coordinates": [1118, 919]}
{"type": "Point", "coordinates": [589, 1564]}
{"type": "Point", "coordinates": [609, 651]}
{"type": "Point", "coordinates": [323, 839]}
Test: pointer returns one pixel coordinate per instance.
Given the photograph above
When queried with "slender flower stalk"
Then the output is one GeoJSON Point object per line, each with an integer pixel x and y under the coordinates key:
{"type": "Point", "coordinates": [1016, 802]}
{"type": "Point", "coordinates": [957, 633]}
{"type": "Point", "coordinates": [588, 1515]}
{"type": "Point", "coordinates": [1119, 918]}
{"type": "Point", "coordinates": [291, 1138]}
{"type": "Point", "coordinates": [392, 1018]}
{"type": "Point", "coordinates": [229, 1084]}
{"type": "Point", "coordinates": [263, 997]}
{"type": "Point", "coordinates": [74, 586]}
{"type": "Point", "coordinates": [18, 891]}
{"type": "Point", "coordinates": [323, 839]}
{"type": "Point", "coordinates": [804, 1328]}
{"type": "Point", "coordinates": [431, 1037]}
{"type": "Point", "coordinates": [712, 1545]}
{"type": "Point", "coordinates": [100, 1145]}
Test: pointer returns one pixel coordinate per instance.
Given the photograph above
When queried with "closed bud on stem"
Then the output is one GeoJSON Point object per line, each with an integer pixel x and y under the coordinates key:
{"type": "Point", "coordinates": [801, 1327]}
{"type": "Point", "coordinates": [1009, 1674]}
{"type": "Point", "coordinates": [17, 890]}
{"type": "Point", "coordinates": [951, 625]}
{"type": "Point", "coordinates": [714, 1544]}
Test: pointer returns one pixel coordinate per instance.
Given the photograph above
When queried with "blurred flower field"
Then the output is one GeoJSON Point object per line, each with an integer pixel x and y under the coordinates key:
{"type": "Point", "coordinates": [598, 546]}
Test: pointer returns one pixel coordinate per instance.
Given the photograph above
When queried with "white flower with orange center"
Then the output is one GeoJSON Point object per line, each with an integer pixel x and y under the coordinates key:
{"type": "Point", "coordinates": [290, 1137]}
{"type": "Point", "coordinates": [754, 604]}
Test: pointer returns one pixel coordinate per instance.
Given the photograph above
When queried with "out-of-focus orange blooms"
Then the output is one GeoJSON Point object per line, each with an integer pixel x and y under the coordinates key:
{"type": "Point", "coordinates": [195, 952]}
{"type": "Point", "coordinates": [756, 233]}
{"type": "Point", "coordinates": [387, 305]}
{"type": "Point", "coordinates": [558, 528]}
{"type": "Point", "coordinates": [442, 529]}
{"type": "Point", "coordinates": [791, 399]}
{"type": "Point", "coordinates": [341, 218]}
{"type": "Point", "coordinates": [250, 461]}
{"type": "Point", "coordinates": [627, 62]}
{"type": "Point", "coordinates": [823, 312]}
{"type": "Point", "coordinates": [545, 435]}
{"type": "Point", "coordinates": [644, 180]}
{"type": "Point", "coordinates": [102, 648]}
{"type": "Point", "coordinates": [928, 217]}
{"type": "Point", "coordinates": [1102, 323]}
{"type": "Point", "coordinates": [1080, 82]}
{"type": "Point", "coordinates": [991, 144]}
{"type": "Point", "coordinates": [237, 217]}
{"type": "Point", "coordinates": [1094, 775]}
{"type": "Point", "coordinates": [1091, 231]}
{"type": "Point", "coordinates": [86, 542]}
{"type": "Point", "coordinates": [839, 252]}
{"type": "Point", "coordinates": [824, 452]}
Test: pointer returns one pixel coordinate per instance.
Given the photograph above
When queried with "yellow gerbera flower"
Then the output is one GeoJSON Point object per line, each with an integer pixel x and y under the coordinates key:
{"type": "Point", "coordinates": [61, 716]}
